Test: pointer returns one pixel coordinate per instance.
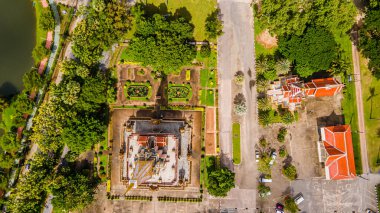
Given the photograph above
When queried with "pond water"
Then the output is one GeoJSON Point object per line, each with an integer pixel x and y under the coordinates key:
{"type": "Point", "coordinates": [17, 39]}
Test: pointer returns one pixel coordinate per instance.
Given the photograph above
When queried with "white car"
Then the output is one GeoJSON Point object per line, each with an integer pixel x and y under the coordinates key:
{"type": "Point", "coordinates": [273, 156]}
{"type": "Point", "coordinates": [298, 198]}
{"type": "Point", "coordinates": [257, 156]}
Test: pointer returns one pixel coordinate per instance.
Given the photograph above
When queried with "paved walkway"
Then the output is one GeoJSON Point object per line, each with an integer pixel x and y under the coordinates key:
{"type": "Point", "coordinates": [359, 102]}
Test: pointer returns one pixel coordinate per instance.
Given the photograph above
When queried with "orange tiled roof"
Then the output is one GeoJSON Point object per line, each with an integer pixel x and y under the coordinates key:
{"type": "Point", "coordinates": [338, 144]}
{"type": "Point", "coordinates": [324, 87]}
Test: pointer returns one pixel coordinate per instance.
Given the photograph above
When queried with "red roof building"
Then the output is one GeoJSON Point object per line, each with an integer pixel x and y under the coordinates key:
{"type": "Point", "coordinates": [337, 152]}
{"type": "Point", "coordinates": [290, 91]}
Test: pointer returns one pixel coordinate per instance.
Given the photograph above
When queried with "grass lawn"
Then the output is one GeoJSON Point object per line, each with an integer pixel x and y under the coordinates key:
{"type": "Point", "coordinates": [195, 10]}
{"type": "Point", "coordinates": [208, 78]}
{"type": "Point", "coordinates": [103, 161]}
{"type": "Point", "coordinates": [65, 18]}
{"type": "Point", "coordinates": [349, 100]}
{"type": "Point", "coordinates": [208, 62]}
{"type": "Point", "coordinates": [371, 102]}
{"type": "Point", "coordinates": [236, 143]}
{"type": "Point", "coordinates": [207, 97]}
{"type": "Point", "coordinates": [40, 33]}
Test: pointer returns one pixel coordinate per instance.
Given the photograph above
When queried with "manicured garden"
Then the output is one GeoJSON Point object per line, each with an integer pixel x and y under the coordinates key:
{"type": "Point", "coordinates": [236, 143]}
{"type": "Point", "coordinates": [138, 91]}
{"type": "Point", "coordinates": [179, 92]}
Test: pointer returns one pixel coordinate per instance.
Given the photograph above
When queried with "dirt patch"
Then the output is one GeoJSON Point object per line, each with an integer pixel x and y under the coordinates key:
{"type": "Point", "coordinates": [266, 40]}
{"type": "Point", "coordinates": [210, 132]}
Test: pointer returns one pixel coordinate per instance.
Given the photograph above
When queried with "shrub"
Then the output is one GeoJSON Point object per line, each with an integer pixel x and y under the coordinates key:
{"type": "Point", "coordinates": [263, 142]}
{"type": "Point", "coordinates": [283, 153]}
{"type": "Point", "coordinates": [240, 106]}
{"type": "Point", "coordinates": [239, 78]}
{"type": "Point", "coordinates": [290, 171]}
{"type": "Point", "coordinates": [281, 134]}
{"type": "Point", "coordinates": [205, 50]}
{"type": "Point", "coordinates": [287, 117]}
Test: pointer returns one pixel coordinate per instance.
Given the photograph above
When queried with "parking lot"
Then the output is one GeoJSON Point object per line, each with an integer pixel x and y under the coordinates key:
{"type": "Point", "coordinates": [337, 196]}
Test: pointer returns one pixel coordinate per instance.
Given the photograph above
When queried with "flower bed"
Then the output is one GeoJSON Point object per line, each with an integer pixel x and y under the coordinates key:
{"type": "Point", "coordinates": [179, 92]}
{"type": "Point", "coordinates": [138, 91]}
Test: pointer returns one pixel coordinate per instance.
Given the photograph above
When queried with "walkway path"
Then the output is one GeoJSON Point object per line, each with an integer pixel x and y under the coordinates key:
{"type": "Point", "coordinates": [359, 101]}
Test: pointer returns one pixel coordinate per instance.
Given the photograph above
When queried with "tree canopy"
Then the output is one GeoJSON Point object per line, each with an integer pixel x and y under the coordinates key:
{"type": "Point", "coordinates": [162, 43]}
{"type": "Point", "coordinates": [220, 182]}
{"type": "Point", "coordinates": [312, 52]}
{"type": "Point", "coordinates": [214, 26]}
{"type": "Point", "coordinates": [106, 22]}
{"type": "Point", "coordinates": [292, 17]}
{"type": "Point", "coordinates": [72, 190]}
{"type": "Point", "coordinates": [369, 40]}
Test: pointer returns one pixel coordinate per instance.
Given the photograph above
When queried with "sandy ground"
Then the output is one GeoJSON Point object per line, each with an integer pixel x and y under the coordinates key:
{"type": "Point", "coordinates": [265, 39]}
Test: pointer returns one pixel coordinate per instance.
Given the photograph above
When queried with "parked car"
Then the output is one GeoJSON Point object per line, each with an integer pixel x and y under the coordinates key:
{"type": "Point", "coordinates": [273, 156]}
{"type": "Point", "coordinates": [298, 198]}
{"type": "Point", "coordinates": [279, 208]}
{"type": "Point", "coordinates": [265, 180]}
{"type": "Point", "coordinates": [369, 211]}
{"type": "Point", "coordinates": [257, 156]}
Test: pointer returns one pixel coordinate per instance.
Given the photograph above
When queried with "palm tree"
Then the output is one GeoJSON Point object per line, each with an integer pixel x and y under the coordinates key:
{"type": "Point", "coordinates": [262, 64]}
{"type": "Point", "coordinates": [282, 66]}
{"type": "Point", "coordinates": [264, 104]}
{"type": "Point", "coordinates": [262, 85]}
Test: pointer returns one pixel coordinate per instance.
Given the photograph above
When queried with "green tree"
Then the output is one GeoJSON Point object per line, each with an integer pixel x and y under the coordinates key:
{"type": "Point", "coordinates": [72, 190]}
{"type": "Point", "coordinates": [73, 68]}
{"type": "Point", "coordinates": [290, 205]}
{"type": "Point", "coordinates": [214, 26]}
{"type": "Point", "coordinates": [46, 20]}
{"type": "Point", "coordinates": [81, 133]}
{"type": "Point", "coordinates": [23, 104]}
{"type": "Point", "coordinates": [40, 52]}
{"type": "Point", "coordinates": [265, 117]}
{"type": "Point", "coordinates": [32, 80]}
{"type": "Point", "coordinates": [220, 182]}
{"type": "Point", "coordinates": [30, 192]}
{"type": "Point", "coordinates": [282, 134]}
{"type": "Point", "coordinates": [292, 17]}
{"type": "Point", "coordinates": [9, 144]}
{"type": "Point", "coordinates": [369, 40]}
{"type": "Point", "coordinates": [93, 94]}
{"type": "Point", "coordinates": [290, 171]}
{"type": "Point", "coordinates": [312, 52]}
{"type": "Point", "coordinates": [100, 29]}
{"type": "Point", "coordinates": [162, 43]}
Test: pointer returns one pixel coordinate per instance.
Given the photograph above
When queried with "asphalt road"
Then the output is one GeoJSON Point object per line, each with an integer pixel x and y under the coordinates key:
{"type": "Point", "coordinates": [236, 53]}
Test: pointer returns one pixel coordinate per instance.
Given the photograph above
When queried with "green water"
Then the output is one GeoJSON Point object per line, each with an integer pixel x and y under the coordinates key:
{"type": "Point", "coordinates": [17, 39]}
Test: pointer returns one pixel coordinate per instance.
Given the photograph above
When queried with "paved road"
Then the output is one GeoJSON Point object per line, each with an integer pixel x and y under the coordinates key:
{"type": "Point", "coordinates": [359, 101]}
{"type": "Point", "coordinates": [236, 53]}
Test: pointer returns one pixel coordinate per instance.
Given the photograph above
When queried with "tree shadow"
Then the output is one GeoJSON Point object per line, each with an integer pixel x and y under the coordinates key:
{"type": "Point", "coordinates": [183, 13]}
{"type": "Point", "coordinates": [151, 9]}
{"type": "Point", "coordinates": [239, 98]}
{"type": "Point", "coordinates": [372, 94]}
{"type": "Point", "coordinates": [8, 89]}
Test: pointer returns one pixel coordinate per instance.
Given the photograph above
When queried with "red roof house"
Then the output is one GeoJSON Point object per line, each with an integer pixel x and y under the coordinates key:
{"type": "Point", "coordinates": [323, 87]}
{"type": "Point", "coordinates": [339, 152]}
{"type": "Point", "coordinates": [290, 91]}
